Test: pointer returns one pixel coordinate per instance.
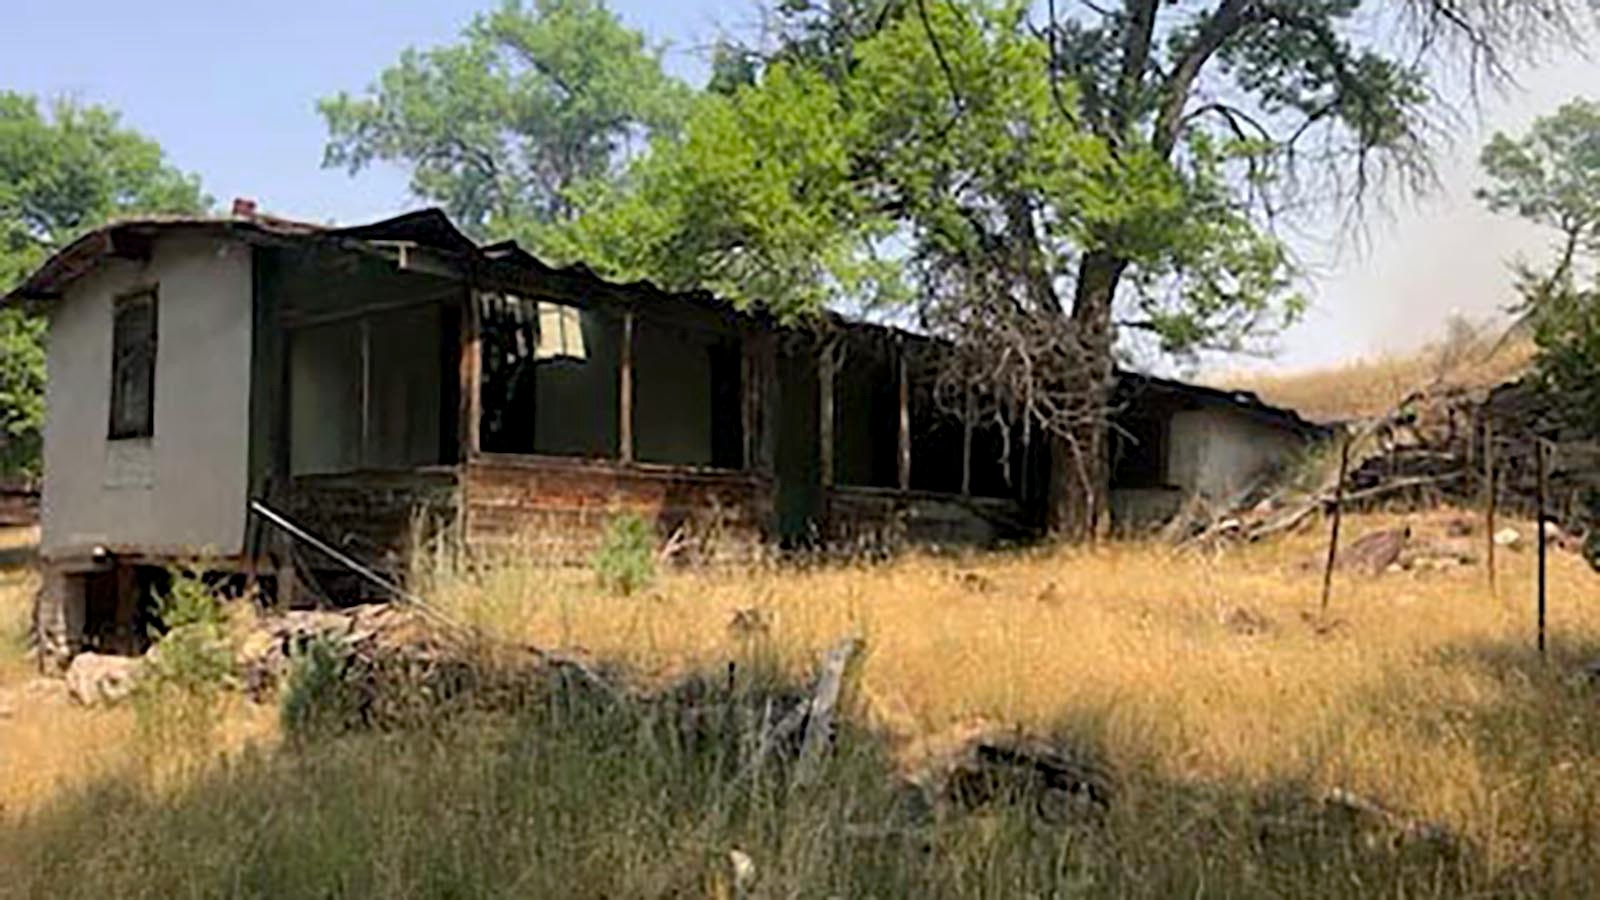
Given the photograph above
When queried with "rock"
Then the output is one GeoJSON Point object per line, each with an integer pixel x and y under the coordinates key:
{"type": "Point", "coordinates": [975, 764]}
{"type": "Point", "coordinates": [1509, 538]}
{"type": "Point", "coordinates": [1439, 554]}
{"type": "Point", "coordinates": [95, 678]}
{"type": "Point", "coordinates": [1374, 553]}
{"type": "Point", "coordinates": [1343, 817]}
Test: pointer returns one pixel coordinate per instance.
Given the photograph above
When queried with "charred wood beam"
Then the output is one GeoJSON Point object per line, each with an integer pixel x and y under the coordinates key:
{"type": "Point", "coordinates": [625, 389]}
{"type": "Point", "coordinates": [904, 449]}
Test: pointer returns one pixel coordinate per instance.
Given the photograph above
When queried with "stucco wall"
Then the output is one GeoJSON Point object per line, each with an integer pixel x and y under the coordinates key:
{"type": "Point", "coordinates": [1217, 452]}
{"type": "Point", "coordinates": [185, 487]}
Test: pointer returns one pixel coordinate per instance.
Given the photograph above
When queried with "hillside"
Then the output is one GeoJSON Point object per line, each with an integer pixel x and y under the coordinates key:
{"type": "Point", "coordinates": [1469, 355]}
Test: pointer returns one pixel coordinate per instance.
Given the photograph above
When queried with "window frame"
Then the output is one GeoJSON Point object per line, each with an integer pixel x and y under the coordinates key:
{"type": "Point", "coordinates": [116, 427]}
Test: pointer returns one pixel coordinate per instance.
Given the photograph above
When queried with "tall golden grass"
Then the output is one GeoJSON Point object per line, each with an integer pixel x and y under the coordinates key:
{"type": "Point", "coordinates": [1211, 681]}
{"type": "Point", "coordinates": [1470, 355]}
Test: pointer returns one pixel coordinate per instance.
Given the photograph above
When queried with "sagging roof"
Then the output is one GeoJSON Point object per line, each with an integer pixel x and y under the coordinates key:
{"type": "Point", "coordinates": [1246, 403]}
{"type": "Point", "coordinates": [431, 228]}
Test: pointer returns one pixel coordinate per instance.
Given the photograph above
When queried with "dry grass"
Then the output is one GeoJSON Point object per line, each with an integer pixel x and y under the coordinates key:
{"type": "Point", "coordinates": [47, 743]}
{"type": "Point", "coordinates": [1468, 357]}
{"type": "Point", "coordinates": [1142, 641]}
{"type": "Point", "coordinates": [1207, 679]}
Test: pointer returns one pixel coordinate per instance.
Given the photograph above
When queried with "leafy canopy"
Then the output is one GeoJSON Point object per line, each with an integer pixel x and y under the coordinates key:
{"type": "Point", "coordinates": [1551, 177]}
{"type": "Point", "coordinates": [63, 171]}
{"type": "Point", "coordinates": [498, 127]}
{"type": "Point", "coordinates": [944, 157]}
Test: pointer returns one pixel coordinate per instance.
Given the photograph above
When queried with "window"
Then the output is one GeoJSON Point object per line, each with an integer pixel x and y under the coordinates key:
{"type": "Point", "coordinates": [133, 366]}
{"type": "Point", "coordinates": [1139, 453]}
{"type": "Point", "coordinates": [560, 333]}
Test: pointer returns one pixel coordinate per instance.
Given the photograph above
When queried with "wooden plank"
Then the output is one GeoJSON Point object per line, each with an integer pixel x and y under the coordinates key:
{"type": "Point", "coordinates": [625, 391]}
{"type": "Point", "coordinates": [966, 445]}
{"type": "Point", "coordinates": [1540, 453]}
{"type": "Point", "coordinates": [822, 708]}
{"type": "Point", "coordinates": [471, 376]}
{"type": "Point", "coordinates": [825, 375]}
{"type": "Point", "coordinates": [905, 416]}
{"type": "Point", "coordinates": [1491, 490]}
{"type": "Point", "coordinates": [1338, 513]}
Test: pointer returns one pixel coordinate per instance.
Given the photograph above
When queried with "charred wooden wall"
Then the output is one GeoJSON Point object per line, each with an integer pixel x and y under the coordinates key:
{"type": "Point", "coordinates": [887, 518]}
{"type": "Point", "coordinates": [557, 510]}
{"type": "Point", "coordinates": [377, 517]}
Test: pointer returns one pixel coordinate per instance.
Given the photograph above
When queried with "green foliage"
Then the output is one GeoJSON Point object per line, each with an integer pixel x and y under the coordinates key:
{"type": "Point", "coordinates": [184, 677]}
{"type": "Point", "coordinates": [61, 174]}
{"type": "Point", "coordinates": [315, 699]}
{"type": "Point", "coordinates": [625, 561]}
{"type": "Point", "coordinates": [1551, 177]}
{"type": "Point", "coordinates": [916, 151]}
{"type": "Point", "coordinates": [498, 127]}
{"type": "Point", "coordinates": [21, 391]}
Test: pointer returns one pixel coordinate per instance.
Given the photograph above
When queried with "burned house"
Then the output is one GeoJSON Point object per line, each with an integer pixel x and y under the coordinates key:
{"type": "Point", "coordinates": [400, 391]}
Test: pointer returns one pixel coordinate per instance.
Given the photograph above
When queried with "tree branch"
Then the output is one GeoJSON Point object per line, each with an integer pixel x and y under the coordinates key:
{"type": "Point", "coordinates": [1225, 21]}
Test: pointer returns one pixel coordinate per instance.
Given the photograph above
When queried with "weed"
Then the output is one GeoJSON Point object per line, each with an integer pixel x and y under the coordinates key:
{"type": "Point", "coordinates": [181, 683]}
{"type": "Point", "coordinates": [625, 561]}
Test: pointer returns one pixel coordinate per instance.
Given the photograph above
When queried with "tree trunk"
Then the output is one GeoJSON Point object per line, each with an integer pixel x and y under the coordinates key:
{"type": "Point", "coordinates": [1080, 465]}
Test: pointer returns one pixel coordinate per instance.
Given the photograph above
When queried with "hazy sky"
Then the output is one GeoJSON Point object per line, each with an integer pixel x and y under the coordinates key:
{"type": "Point", "coordinates": [229, 90]}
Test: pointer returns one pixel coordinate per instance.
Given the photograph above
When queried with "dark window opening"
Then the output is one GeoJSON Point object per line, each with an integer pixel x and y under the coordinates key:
{"type": "Point", "coordinates": [1139, 453]}
{"type": "Point", "coordinates": [688, 385]}
{"type": "Point", "coordinates": [936, 438]}
{"type": "Point", "coordinates": [551, 377]}
{"type": "Point", "coordinates": [367, 392]}
{"type": "Point", "coordinates": [866, 415]}
{"type": "Point", "coordinates": [133, 366]}
{"type": "Point", "coordinates": [727, 405]}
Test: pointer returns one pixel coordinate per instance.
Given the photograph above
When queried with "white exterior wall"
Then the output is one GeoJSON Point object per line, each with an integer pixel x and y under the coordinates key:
{"type": "Point", "coordinates": [184, 489]}
{"type": "Point", "coordinates": [1218, 453]}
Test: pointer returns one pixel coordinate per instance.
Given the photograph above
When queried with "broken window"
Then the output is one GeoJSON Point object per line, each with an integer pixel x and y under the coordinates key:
{"type": "Point", "coordinates": [1139, 452]}
{"type": "Point", "coordinates": [133, 366]}
{"type": "Point", "coordinates": [550, 377]}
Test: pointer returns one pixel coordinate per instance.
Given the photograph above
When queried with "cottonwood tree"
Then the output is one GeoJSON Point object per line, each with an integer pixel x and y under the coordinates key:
{"type": "Point", "coordinates": [63, 170]}
{"type": "Point", "coordinates": [1551, 177]}
{"type": "Point", "coordinates": [1050, 181]}
{"type": "Point", "coordinates": [500, 126]}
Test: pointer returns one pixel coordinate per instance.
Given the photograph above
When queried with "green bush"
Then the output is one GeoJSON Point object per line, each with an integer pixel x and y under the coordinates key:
{"type": "Point", "coordinates": [625, 561]}
{"type": "Point", "coordinates": [315, 699]}
{"type": "Point", "coordinates": [184, 676]}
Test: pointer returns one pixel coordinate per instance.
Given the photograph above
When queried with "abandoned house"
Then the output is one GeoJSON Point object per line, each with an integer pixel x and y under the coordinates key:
{"type": "Point", "coordinates": [398, 390]}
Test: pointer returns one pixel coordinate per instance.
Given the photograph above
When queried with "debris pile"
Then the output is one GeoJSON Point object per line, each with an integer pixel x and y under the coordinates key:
{"type": "Point", "coordinates": [1436, 448]}
{"type": "Point", "coordinates": [980, 763]}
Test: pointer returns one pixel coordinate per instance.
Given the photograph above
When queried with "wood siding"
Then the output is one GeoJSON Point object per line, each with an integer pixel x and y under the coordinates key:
{"type": "Point", "coordinates": [557, 510]}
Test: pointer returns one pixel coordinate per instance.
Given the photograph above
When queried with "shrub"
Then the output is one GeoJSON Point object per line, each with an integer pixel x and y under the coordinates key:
{"type": "Point", "coordinates": [626, 559]}
{"type": "Point", "coordinates": [315, 699]}
{"type": "Point", "coordinates": [183, 678]}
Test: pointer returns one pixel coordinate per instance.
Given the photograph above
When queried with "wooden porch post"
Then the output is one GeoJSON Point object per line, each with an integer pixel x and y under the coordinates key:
{"type": "Point", "coordinates": [905, 416]}
{"type": "Point", "coordinates": [625, 420]}
{"type": "Point", "coordinates": [966, 446]}
{"type": "Point", "coordinates": [471, 376]}
{"type": "Point", "coordinates": [825, 365]}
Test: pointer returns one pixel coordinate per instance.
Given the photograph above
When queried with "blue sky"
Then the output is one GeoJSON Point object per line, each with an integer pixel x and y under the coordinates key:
{"type": "Point", "coordinates": [229, 90]}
